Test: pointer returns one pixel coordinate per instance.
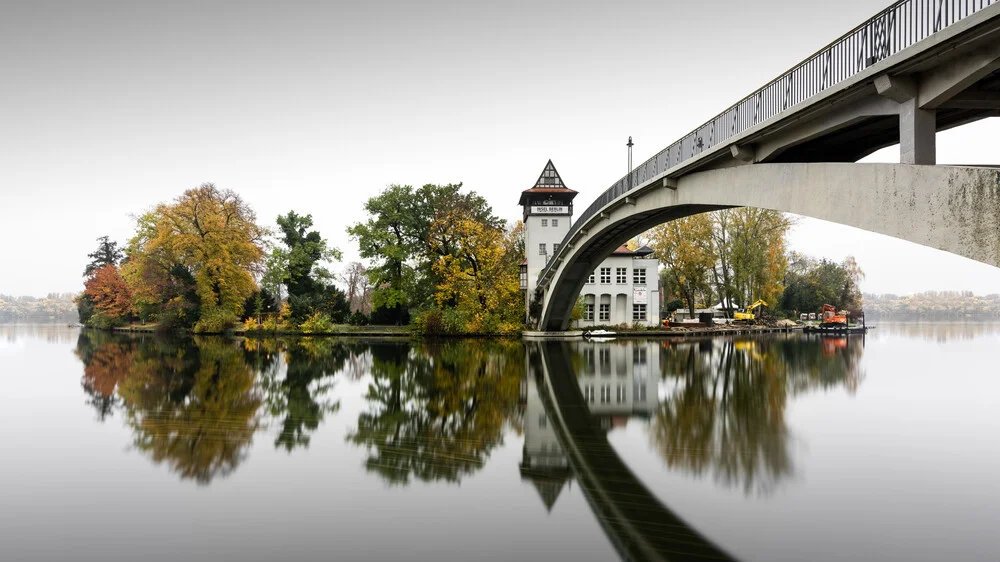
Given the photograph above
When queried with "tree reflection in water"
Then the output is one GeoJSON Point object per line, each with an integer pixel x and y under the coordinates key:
{"type": "Point", "coordinates": [195, 404]}
{"type": "Point", "coordinates": [724, 412]}
{"type": "Point", "coordinates": [437, 410]}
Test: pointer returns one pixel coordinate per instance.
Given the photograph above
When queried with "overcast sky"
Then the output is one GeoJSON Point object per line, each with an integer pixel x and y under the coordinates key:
{"type": "Point", "coordinates": [110, 107]}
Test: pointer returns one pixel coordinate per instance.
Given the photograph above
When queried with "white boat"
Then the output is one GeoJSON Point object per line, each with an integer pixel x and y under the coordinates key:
{"type": "Point", "coordinates": [599, 335]}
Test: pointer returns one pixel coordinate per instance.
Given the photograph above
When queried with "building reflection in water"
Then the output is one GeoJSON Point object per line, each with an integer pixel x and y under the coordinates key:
{"type": "Point", "coordinates": [713, 407]}
{"type": "Point", "coordinates": [618, 381]}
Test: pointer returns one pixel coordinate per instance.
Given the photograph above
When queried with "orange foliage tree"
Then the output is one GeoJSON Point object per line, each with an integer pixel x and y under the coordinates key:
{"type": "Point", "coordinates": [109, 292]}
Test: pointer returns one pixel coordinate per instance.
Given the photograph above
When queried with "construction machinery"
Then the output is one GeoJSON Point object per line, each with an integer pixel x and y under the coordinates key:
{"type": "Point", "coordinates": [832, 318]}
{"type": "Point", "coordinates": [748, 315]}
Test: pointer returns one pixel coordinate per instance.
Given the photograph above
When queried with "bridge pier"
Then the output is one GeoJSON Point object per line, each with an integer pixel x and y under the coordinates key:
{"type": "Point", "coordinates": [917, 131]}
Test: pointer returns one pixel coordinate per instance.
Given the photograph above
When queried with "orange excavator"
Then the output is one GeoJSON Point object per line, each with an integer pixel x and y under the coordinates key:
{"type": "Point", "coordinates": [833, 319]}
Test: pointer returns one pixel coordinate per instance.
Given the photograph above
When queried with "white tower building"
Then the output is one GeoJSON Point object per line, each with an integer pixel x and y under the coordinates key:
{"type": "Point", "coordinates": [548, 211]}
{"type": "Point", "coordinates": [624, 289]}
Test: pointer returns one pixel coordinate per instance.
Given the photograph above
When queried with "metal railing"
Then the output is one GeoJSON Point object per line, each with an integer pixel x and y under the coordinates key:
{"type": "Point", "coordinates": [897, 27]}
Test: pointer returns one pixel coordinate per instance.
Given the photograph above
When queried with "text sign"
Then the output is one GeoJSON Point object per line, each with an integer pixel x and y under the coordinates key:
{"type": "Point", "coordinates": [550, 210]}
{"type": "Point", "coordinates": [640, 295]}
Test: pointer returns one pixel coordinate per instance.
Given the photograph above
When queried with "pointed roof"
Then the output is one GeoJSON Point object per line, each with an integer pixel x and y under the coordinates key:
{"type": "Point", "coordinates": [550, 177]}
{"type": "Point", "coordinates": [548, 182]}
{"type": "Point", "coordinates": [624, 251]}
{"type": "Point", "coordinates": [548, 489]}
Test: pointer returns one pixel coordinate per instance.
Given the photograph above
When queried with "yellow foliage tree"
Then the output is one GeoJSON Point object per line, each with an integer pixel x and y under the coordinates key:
{"type": "Point", "coordinates": [478, 274]}
{"type": "Point", "coordinates": [685, 248]}
{"type": "Point", "coordinates": [213, 235]}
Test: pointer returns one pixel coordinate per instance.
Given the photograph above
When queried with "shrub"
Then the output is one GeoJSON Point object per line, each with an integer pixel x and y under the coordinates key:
{"type": "Point", "coordinates": [317, 323]}
{"type": "Point", "coordinates": [216, 321]}
{"type": "Point", "coordinates": [358, 318]}
{"type": "Point", "coordinates": [103, 321]}
{"type": "Point", "coordinates": [269, 325]}
{"type": "Point", "coordinates": [429, 322]}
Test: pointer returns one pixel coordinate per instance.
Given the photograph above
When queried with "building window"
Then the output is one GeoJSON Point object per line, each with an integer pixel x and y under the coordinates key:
{"type": "Point", "coordinates": [605, 313]}
{"type": "Point", "coordinates": [638, 312]}
{"type": "Point", "coordinates": [588, 311]}
{"type": "Point", "coordinates": [605, 276]}
{"type": "Point", "coordinates": [621, 275]}
{"type": "Point", "coordinates": [639, 276]}
{"type": "Point", "coordinates": [639, 355]}
{"type": "Point", "coordinates": [555, 248]}
{"type": "Point", "coordinates": [545, 222]}
{"type": "Point", "coordinates": [605, 393]}
{"type": "Point", "coordinates": [639, 391]}
{"type": "Point", "coordinates": [590, 280]}
{"type": "Point", "coordinates": [620, 394]}
{"type": "Point", "coordinates": [555, 222]}
{"type": "Point", "coordinates": [541, 249]}
{"type": "Point", "coordinates": [589, 363]}
{"type": "Point", "coordinates": [605, 362]}
{"type": "Point", "coordinates": [588, 393]}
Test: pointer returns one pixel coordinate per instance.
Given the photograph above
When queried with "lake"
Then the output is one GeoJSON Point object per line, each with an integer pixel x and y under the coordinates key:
{"type": "Point", "coordinates": [778, 447]}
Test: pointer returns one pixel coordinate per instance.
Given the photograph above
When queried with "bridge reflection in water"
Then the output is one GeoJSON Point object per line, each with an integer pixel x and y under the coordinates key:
{"type": "Point", "coordinates": [722, 413]}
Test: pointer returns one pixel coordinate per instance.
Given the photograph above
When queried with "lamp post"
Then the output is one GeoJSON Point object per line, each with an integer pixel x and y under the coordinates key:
{"type": "Point", "coordinates": [629, 145]}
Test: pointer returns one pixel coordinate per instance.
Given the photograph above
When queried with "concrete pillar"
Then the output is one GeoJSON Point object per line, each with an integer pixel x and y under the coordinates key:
{"type": "Point", "coordinates": [917, 128]}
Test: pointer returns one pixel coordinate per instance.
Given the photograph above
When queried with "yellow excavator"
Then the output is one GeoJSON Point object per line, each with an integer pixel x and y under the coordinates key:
{"type": "Point", "coordinates": [748, 316]}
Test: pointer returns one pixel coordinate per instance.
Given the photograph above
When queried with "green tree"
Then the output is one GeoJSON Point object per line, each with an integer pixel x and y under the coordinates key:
{"type": "Point", "coordinates": [299, 267]}
{"type": "Point", "coordinates": [809, 284]}
{"type": "Point", "coordinates": [398, 240]}
{"type": "Point", "coordinates": [107, 253]}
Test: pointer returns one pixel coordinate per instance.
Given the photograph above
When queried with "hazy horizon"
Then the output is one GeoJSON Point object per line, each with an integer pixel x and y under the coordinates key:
{"type": "Point", "coordinates": [112, 107]}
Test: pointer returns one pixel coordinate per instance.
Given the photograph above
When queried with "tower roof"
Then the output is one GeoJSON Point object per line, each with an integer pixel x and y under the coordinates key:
{"type": "Point", "coordinates": [548, 182]}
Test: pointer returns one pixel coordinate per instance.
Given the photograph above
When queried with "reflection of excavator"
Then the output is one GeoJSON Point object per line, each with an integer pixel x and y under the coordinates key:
{"type": "Point", "coordinates": [832, 345]}
{"type": "Point", "coordinates": [833, 319]}
{"type": "Point", "coordinates": [748, 316]}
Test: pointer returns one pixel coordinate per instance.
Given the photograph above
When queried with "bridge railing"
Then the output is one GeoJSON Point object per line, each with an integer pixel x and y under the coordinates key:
{"type": "Point", "coordinates": [893, 29]}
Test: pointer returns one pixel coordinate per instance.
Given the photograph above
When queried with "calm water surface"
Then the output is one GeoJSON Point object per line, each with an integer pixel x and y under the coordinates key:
{"type": "Point", "coordinates": [768, 448]}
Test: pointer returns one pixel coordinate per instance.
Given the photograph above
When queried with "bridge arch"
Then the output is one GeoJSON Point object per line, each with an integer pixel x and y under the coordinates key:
{"type": "Point", "coordinates": [955, 209]}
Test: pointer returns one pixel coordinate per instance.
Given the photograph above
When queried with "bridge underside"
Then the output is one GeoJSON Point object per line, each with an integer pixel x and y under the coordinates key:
{"type": "Point", "coordinates": [955, 209]}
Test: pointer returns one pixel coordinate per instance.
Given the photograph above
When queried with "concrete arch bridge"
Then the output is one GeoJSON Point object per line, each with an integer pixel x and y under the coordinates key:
{"type": "Point", "coordinates": [918, 67]}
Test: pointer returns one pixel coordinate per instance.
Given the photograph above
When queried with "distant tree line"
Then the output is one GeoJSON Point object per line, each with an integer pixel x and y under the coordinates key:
{"type": "Point", "coordinates": [934, 305]}
{"type": "Point", "coordinates": [53, 307]}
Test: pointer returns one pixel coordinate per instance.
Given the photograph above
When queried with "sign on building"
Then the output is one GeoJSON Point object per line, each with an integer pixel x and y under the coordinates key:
{"type": "Point", "coordinates": [550, 210]}
{"type": "Point", "coordinates": [640, 295]}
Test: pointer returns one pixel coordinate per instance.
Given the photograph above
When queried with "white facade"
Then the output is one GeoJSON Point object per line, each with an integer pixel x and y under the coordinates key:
{"type": "Point", "coordinates": [624, 289]}
{"type": "Point", "coordinates": [542, 234]}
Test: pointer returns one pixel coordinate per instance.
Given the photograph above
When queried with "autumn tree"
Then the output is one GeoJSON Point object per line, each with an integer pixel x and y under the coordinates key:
{"type": "Point", "coordinates": [107, 254]}
{"type": "Point", "coordinates": [208, 240]}
{"type": "Point", "coordinates": [478, 274]}
{"type": "Point", "coordinates": [684, 246]}
{"type": "Point", "coordinates": [110, 295]}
